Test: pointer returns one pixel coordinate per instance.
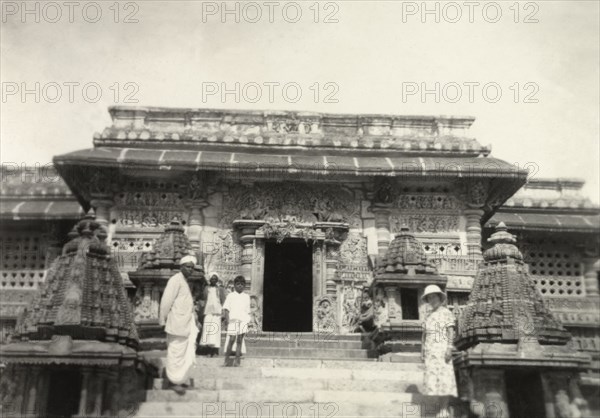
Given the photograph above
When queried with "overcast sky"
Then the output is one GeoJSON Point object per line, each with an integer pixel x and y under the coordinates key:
{"type": "Point", "coordinates": [359, 56]}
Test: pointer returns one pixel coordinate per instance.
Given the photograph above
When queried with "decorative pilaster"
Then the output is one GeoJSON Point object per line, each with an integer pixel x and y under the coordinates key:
{"type": "Point", "coordinates": [473, 217]}
{"type": "Point", "coordinates": [83, 398]}
{"type": "Point", "coordinates": [32, 390]}
{"type": "Point", "coordinates": [394, 307]}
{"type": "Point", "coordinates": [102, 207]}
{"type": "Point", "coordinates": [332, 255]}
{"type": "Point", "coordinates": [112, 393]}
{"type": "Point", "coordinates": [98, 385]}
{"type": "Point", "coordinates": [382, 225]}
{"type": "Point", "coordinates": [196, 202]}
{"type": "Point", "coordinates": [196, 224]}
{"type": "Point", "coordinates": [247, 232]}
{"type": "Point", "coordinates": [20, 382]}
{"type": "Point", "coordinates": [590, 276]}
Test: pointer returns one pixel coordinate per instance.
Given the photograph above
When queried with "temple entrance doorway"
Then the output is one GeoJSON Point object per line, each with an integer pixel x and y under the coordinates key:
{"type": "Point", "coordinates": [287, 291]}
{"type": "Point", "coordinates": [524, 393]}
{"type": "Point", "coordinates": [64, 393]}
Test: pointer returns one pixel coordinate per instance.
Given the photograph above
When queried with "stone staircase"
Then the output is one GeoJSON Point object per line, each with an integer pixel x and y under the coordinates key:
{"type": "Point", "coordinates": [298, 375]}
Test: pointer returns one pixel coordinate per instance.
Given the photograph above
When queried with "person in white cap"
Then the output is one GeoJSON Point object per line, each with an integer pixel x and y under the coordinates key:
{"type": "Point", "coordinates": [212, 304]}
{"type": "Point", "coordinates": [177, 315]}
{"type": "Point", "coordinates": [438, 338]}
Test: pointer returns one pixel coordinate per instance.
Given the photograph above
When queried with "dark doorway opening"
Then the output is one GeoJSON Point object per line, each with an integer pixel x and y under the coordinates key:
{"type": "Point", "coordinates": [409, 300]}
{"type": "Point", "coordinates": [525, 394]}
{"type": "Point", "coordinates": [64, 393]}
{"type": "Point", "coordinates": [287, 289]}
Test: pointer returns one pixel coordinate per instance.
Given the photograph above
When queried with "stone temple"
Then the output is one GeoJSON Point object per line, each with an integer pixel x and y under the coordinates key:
{"type": "Point", "coordinates": [312, 209]}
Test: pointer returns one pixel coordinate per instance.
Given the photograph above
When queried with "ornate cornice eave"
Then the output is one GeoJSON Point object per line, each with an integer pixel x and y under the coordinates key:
{"type": "Point", "coordinates": [491, 355]}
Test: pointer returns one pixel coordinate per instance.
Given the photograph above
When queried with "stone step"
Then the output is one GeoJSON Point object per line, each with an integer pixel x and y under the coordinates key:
{"type": "Point", "coordinates": [311, 336]}
{"type": "Point", "coordinates": [413, 375]}
{"type": "Point", "coordinates": [269, 341]}
{"type": "Point", "coordinates": [305, 343]}
{"type": "Point", "coordinates": [312, 352]}
{"type": "Point", "coordinates": [329, 404]}
{"type": "Point", "coordinates": [402, 361]}
{"type": "Point", "coordinates": [406, 382]}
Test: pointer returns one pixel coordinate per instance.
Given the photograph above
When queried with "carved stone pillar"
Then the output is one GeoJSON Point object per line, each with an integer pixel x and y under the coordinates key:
{"type": "Point", "coordinates": [590, 276]}
{"type": "Point", "coordinates": [474, 232]}
{"type": "Point", "coordinates": [83, 398]}
{"type": "Point", "coordinates": [99, 377]}
{"type": "Point", "coordinates": [382, 225]}
{"type": "Point", "coordinates": [195, 224]}
{"type": "Point", "coordinates": [102, 208]}
{"type": "Point", "coordinates": [112, 393]}
{"type": "Point", "coordinates": [332, 255]}
{"type": "Point", "coordinates": [20, 384]}
{"type": "Point", "coordinates": [394, 306]}
{"type": "Point", "coordinates": [32, 387]}
{"type": "Point", "coordinates": [42, 392]}
{"type": "Point", "coordinates": [247, 238]}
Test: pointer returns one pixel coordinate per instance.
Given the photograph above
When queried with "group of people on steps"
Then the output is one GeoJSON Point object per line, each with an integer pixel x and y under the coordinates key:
{"type": "Point", "coordinates": [232, 312]}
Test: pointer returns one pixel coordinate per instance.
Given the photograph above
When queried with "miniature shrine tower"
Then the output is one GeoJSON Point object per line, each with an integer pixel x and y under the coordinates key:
{"type": "Point", "coordinates": [75, 351]}
{"type": "Point", "coordinates": [510, 341]}
{"type": "Point", "coordinates": [399, 281]}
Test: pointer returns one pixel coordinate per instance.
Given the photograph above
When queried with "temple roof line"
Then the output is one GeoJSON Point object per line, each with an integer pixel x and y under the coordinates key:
{"type": "Point", "coordinates": [551, 195]}
{"type": "Point", "coordinates": [135, 126]}
{"type": "Point", "coordinates": [173, 113]}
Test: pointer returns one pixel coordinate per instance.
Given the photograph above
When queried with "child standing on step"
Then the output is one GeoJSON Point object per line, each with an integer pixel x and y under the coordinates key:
{"type": "Point", "coordinates": [236, 311]}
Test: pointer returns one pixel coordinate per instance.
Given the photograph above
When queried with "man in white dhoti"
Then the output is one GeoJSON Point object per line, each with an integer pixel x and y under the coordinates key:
{"type": "Point", "coordinates": [177, 315]}
{"type": "Point", "coordinates": [212, 302]}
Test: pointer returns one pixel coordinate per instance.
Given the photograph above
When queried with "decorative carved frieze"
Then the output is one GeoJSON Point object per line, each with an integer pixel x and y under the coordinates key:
{"type": "Point", "coordinates": [148, 199]}
{"type": "Point", "coordinates": [460, 283]}
{"type": "Point", "coordinates": [424, 223]}
{"type": "Point", "coordinates": [433, 213]}
{"type": "Point", "coordinates": [301, 203]}
{"type": "Point", "coordinates": [456, 264]}
{"type": "Point", "coordinates": [427, 202]}
{"type": "Point", "coordinates": [256, 317]}
{"type": "Point", "coordinates": [353, 262]}
{"type": "Point", "coordinates": [149, 209]}
{"type": "Point", "coordinates": [287, 229]}
{"type": "Point", "coordinates": [476, 192]}
{"type": "Point", "coordinates": [350, 299]}
{"type": "Point", "coordinates": [325, 314]}
{"type": "Point", "coordinates": [223, 254]}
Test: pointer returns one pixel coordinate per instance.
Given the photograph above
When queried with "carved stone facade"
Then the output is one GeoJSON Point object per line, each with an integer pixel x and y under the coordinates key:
{"type": "Point", "coordinates": [344, 184]}
{"type": "Point", "coordinates": [295, 202]}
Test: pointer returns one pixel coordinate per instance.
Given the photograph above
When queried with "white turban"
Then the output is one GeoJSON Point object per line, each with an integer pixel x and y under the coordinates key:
{"type": "Point", "coordinates": [188, 259]}
{"type": "Point", "coordinates": [214, 273]}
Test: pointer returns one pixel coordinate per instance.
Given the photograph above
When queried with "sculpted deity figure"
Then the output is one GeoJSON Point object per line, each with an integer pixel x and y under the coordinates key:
{"type": "Point", "coordinates": [324, 316]}
{"type": "Point", "coordinates": [69, 312]}
{"type": "Point", "coordinates": [255, 314]}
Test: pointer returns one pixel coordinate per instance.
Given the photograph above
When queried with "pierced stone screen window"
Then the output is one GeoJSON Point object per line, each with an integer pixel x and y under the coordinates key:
{"type": "Point", "coordinates": [556, 268]}
{"type": "Point", "coordinates": [23, 259]}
